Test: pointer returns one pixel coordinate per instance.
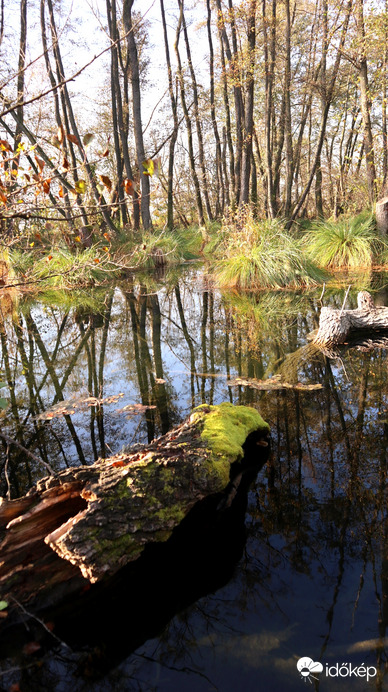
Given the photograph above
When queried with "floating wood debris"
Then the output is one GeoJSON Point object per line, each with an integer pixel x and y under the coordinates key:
{"type": "Point", "coordinates": [273, 383]}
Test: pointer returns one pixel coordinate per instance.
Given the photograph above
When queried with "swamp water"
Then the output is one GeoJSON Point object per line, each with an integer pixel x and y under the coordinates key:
{"type": "Point", "coordinates": [298, 568]}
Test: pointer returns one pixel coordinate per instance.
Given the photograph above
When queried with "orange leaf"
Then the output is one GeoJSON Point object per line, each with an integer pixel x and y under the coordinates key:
{"type": "Point", "coordinates": [46, 185]}
{"type": "Point", "coordinates": [107, 181]}
{"type": "Point", "coordinates": [50, 257]}
{"type": "Point", "coordinates": [60, 191]}
{"type": "Point", "coordinates": [129, 186]}
{"type": "Point", "coordinates": [96, 260]}
{"type": "Point", "coordinates": [41, 164]}
{"type": "Point", "coordinates": [3, 198]}
{"type": "Point", "coordinates": [4, 145]}
{"type": "Point", "coordinates": [73, 139]}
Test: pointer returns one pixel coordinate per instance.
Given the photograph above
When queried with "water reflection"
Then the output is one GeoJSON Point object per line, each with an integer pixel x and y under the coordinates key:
{"type": "Point", "coordinates": [312, 575]}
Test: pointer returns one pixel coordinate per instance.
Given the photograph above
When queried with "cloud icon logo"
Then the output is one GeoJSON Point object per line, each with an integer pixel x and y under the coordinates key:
{"type": "Point", "coordinates": [307, 667]}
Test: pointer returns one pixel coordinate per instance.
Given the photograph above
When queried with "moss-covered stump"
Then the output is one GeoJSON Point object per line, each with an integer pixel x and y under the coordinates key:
{"type": "Point", "coordinates": [98, 518]}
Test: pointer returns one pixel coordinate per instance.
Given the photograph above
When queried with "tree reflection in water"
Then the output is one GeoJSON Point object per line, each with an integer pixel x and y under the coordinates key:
{"type": "Point", "coordinates": [310, 575]}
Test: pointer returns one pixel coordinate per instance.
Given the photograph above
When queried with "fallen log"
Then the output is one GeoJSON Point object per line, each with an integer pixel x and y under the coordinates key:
{"type": "Point", "coordinates": [86, 523]}
{"type": "Point", "coordinates": [337, 326]}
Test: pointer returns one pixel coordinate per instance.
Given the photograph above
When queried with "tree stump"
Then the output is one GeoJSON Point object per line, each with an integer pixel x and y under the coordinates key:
{"type": "Point", "coordinates": [86, 523]}
{"type": "Point", "coordinates": [337, 326]}
{"type": "Point", "coordinates": [382, 216]}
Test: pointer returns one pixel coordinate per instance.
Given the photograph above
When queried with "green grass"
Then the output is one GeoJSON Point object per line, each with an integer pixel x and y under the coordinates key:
{"type": "Point", "coordinates": [348, 243]}
{"type": "Point", "coordinates": [262, 254]}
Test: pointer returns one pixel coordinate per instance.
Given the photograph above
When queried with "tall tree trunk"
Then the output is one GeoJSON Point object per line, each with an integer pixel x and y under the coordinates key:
{"type": "Point", "coordinates": [174, 136]}
{"type": "Point", "coordinates": [365, 104]}
{"type": "Point", "coordinates": [269, 64]}
{"type": "Point", "coordinates": [201, 151]}
{"type": "Point", "coordinates": [288, 122]}
{"type": "Point", "coordinates": [384, 100]}
{"type": "Point", "coordinates": [136, 109]}
{"type": "Point", "coordinates": [71, 124]}
{"type": "Point", "coordinates": [325, 113]}
{"type": "Point", "coordinates": [249, 96]}
{"type": "Point", "coordinates": [219, 169]}
{"type": "Point", "coordinates": [21, 65]}
{"type": "Point", "coordinates": [238, 101]}
{"type": "Point", "coordinates": [198, 196]}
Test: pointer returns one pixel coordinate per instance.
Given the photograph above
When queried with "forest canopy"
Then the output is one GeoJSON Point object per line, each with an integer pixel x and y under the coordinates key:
{"type": "Point", "coordinates": [168, 113]}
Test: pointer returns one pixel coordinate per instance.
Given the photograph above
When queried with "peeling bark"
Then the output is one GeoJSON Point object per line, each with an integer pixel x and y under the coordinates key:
{"type": "Point", "coordinates": [336, 326]}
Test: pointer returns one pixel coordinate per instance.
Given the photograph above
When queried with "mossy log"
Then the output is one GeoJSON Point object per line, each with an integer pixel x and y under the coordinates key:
{"type": "Point", "coordinates": [337, 326]}
{"type": "Point", "coordinates": [86, 523]}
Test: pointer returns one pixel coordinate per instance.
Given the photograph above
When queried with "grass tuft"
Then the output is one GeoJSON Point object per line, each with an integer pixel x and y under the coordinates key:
{"type": "Point", "coordinates": [349, 243]}
{"type": "Point", "coordinates": [262, 254]}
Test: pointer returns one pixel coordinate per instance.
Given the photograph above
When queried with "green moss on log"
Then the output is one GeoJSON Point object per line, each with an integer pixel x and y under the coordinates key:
{"type": "Point", "coordinates": [140, 498]}
{"type": "Point", "coordinates": [225, 429]}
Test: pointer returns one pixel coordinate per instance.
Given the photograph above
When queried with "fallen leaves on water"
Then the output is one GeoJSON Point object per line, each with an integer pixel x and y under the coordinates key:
{"type": "Point", "coordinates": [68, 407]}
{"type": "Point", "coordinates": [273, 383]}
{"type": "Point", "coordinates": [134, 409]}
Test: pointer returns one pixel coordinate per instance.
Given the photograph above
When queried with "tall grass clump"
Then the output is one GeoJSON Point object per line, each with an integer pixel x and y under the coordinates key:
{"type": "Point", "coordinates": [349, 243]}
{"type": "Point", "coordinates": [262, 254]}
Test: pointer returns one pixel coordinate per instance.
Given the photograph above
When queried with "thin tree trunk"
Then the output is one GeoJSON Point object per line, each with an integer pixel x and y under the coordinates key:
{"type": "Point", "coordinates": [201, 151]}
{"type": "Point", "coordinates": [136, 109]}
{"type": "Point", "coordinates": [174, 136]}
{"type": "Point", "coordinates": [219, 169]}
{"type": "Point", "coordinates": [329, 96]}
{"type": "Point", "coordinates": [198, 196]}
{"type": "Point", "coordinates": [365, 104]}
{"type": "Point", "coordinates": [69, 114]}
{"type": "Point", "coordinates": [249, 98]}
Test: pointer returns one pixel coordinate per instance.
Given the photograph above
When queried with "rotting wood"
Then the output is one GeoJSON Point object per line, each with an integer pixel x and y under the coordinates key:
{"type": "Point", "coordinates": [98, 518]}
{"type": "Point", "coordinates": [337, 326]}
{"type": "Point", "coordinates": [382, 215]}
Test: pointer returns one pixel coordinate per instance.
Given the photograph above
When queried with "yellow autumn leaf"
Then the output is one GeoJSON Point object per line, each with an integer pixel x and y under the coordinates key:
{"type": "Point", "coordinates": [80, 186]}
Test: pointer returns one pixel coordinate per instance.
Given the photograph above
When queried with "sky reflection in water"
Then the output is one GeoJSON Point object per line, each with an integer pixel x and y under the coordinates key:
{"type": "Point", "coordinates": [307, 573]}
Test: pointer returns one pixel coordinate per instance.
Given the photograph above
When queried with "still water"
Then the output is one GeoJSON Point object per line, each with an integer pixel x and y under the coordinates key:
{"type": "Point", "coordinates": [298, 568]}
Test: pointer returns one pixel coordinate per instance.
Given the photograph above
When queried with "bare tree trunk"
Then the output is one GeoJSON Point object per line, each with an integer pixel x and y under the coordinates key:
{"type": "Point", "coordinates": [249, 97]}
{"type": "Point", "coordinates": [201, 152]}
{"type": "Point", "coordinates": [238, 101]}
{"type": "Point", "coordinates": [71, 124]}
{"type": "Point", "coordinates": [288, 122]}
{"type": "Point", "coordinates": [269, 63]}
{"type": "Point", "coordinates": [198, 196]}
{"type": "Point", "coordinates": [384, 100]}
{"type": "Point", "coordinates": [325, 113]}
{"type": "Point", "coordinates": [219, 169]}
{"type": "Point", "coordinates": [136, 108]}
{"type": "Point", "coordinates": [365, 104]}
{"type": "Point", "coordinates": [174, 136]}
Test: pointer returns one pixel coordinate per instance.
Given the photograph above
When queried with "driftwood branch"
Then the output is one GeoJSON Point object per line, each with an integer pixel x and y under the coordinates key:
{"type": "Point", "coordinates": [337, 326]}
{"type": "Point", "coordinates": [88, 522]}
